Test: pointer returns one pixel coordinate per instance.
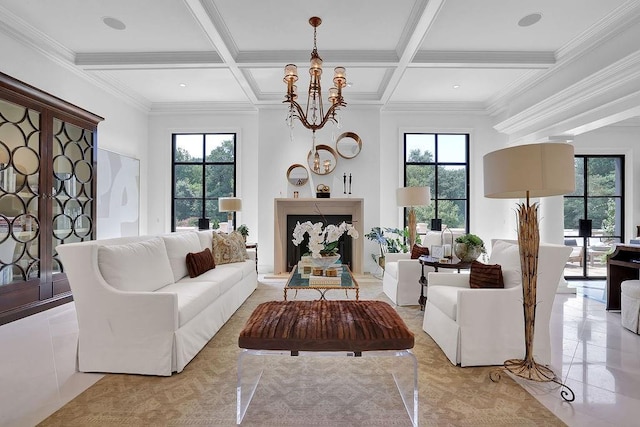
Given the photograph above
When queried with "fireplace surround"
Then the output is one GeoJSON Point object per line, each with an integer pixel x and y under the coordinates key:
{"type": "Point", "coordinates": [314, 207]}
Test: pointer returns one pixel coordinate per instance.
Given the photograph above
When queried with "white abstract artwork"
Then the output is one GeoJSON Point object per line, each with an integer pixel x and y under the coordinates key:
{"type": "Point", "coordinates": [118, 199]}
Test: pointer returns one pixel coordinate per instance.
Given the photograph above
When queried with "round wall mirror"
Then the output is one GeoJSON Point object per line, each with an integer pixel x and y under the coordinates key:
{"type": "Point", "coordinates": [297, 174]}
{"type": "Point", "coordinates": [325, 162]}
{"type": "Point", "coordinates": [348, 145]}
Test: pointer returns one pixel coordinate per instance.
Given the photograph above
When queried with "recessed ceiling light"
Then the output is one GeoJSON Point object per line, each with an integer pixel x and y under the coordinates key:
{"type": "Point", "coordinates": [456, 86]}
{"type": "Point", "coordinates": [530, 19]}
{"type": "Point", "coordinates": [182, 85]}
{"type": "Point", "coordinates": [114, 23]}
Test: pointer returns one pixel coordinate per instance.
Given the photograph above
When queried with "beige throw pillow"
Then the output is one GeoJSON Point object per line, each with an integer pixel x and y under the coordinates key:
{"type": "Point", "coordinates": [229, 248]}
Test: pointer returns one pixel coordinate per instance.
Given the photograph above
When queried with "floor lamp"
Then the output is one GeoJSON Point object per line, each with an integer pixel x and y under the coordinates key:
{"type": "Point", "coordinates": [230, 205]}
{"type": "Point", "coordinates": [411, 197]}
{"type": "Point", "coordinates": [524, 171]}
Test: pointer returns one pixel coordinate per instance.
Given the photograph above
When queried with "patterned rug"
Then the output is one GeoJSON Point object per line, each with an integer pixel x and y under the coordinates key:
{"type": "Point", "coordinates": [306, 391]}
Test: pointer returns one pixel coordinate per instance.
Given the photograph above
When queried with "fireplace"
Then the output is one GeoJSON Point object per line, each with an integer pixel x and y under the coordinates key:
{"type": "Point", "coordinates": [295, 252]}
{"type": "Point", "coordinates": [310, 208]}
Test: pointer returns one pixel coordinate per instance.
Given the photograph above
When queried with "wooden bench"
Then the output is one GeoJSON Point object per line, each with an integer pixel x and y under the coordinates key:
{"type": "Point", "coordinates": [299, 327]}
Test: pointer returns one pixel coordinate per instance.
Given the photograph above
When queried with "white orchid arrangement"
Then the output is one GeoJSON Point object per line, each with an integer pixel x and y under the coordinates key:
{"type": "Point", "coordinates": [322, 241]}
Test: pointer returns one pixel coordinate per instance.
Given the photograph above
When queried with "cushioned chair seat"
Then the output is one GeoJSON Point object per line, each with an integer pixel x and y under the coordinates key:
{"type": "Point", "coordinates": [445, 298]}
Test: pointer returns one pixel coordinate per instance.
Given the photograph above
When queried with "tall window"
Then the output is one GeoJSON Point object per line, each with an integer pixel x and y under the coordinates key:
{"type": "Point", "coordinates": [598, 205]}
{"type": "Point", "coordinates": [440, 161]}
{"type": "Point", "coordinates": [204, 169]}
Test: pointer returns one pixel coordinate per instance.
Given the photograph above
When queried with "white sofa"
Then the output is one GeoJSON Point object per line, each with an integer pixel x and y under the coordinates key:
{"type": "Point", "coordinates": [476, 327]}
{"type": "Point", "coordinates": [401, 273]}
{"type": "Point", "coordinates": [139, 311]}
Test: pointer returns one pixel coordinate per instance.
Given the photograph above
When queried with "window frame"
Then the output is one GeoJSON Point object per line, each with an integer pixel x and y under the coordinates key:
{"type": "Point", "coordinates": [204, 163]}
{"type": "Point", "coordinates": [435, 200]}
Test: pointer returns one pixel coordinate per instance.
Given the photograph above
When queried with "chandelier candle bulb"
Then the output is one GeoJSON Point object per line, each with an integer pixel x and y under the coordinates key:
{"type": "Point", "coordinates": [314, 117]}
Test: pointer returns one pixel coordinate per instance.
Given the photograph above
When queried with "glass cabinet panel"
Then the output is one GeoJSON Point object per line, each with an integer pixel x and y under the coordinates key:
{"type": "Point", "coordinates": [72, 190]}
{"type": "Point", "coordinates": [19, 192]}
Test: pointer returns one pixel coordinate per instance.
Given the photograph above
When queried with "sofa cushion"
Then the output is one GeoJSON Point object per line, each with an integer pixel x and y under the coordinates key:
{"type": "Point", "coordinates": [195, 294]}
{"type": "Point", "coordinates": [508, 256]}
{"type": "Point", "coordinates": [417, 251]}
{"type": "Point", "coordinates": [140, 266]}
{"type": "Point", "coordinates": [206, 238]}
{"type": "Point", "coordinates": [485, 276]}
{"type": "Point", "coordinates": [229, 248]}
{"type": "Point", "coordinates": [445, 298]}
{"type": "Point", "coordinates": [178, 246]}
{"type": "Point", "coordinates": [199, 262]}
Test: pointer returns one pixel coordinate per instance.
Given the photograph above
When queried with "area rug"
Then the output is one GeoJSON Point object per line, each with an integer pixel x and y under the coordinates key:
{"type": "Point", "coordinates": [306, 391]}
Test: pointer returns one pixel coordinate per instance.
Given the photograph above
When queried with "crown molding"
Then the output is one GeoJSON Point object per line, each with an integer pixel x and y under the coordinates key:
{"type": "Point", "coordinates": [133, 60]}
{"type": "Point", "coordinates": [158, 108]}
{"type": "Point", "coordinates": [611, 78]}
{"type": "Point", "coordinates": [25, 34]}
{"type": "Point", "coordinates": [616, 23]}
{"type": "Point", "coordinates": [436, 107]}
{"type": "Point", "coordinates": [493, 59]}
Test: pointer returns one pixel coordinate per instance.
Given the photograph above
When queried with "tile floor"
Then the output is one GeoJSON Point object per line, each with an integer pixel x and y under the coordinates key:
{"type": "Point", "coordinates": [596, 357]}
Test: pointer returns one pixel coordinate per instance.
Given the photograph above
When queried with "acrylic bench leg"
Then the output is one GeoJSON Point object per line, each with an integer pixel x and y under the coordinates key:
{"type": "Point", "coordinates": [405, 375]}
{"type": "Point", "coordinates": [248, 377]}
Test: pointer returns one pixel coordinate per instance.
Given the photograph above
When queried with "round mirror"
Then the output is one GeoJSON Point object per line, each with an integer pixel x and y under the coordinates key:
{"type": "Point", "coordinates": [323, 160]}
{"type": "Point", "coordinates": [297, 174]}
{"type": "Point", "coordinates": [348, 145]}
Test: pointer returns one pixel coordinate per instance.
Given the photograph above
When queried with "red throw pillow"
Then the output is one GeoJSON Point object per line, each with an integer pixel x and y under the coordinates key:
{"type": "Point", "coordinates": [199, 262]}
{"type": "Point", "coordinates": [418, 251]}
{"type": "Point", "coordinates": [485, 276]}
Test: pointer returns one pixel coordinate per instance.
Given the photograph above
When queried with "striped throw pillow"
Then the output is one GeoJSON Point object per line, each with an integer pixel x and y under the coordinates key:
{"type": "Point", "coordinates": [485, 276]}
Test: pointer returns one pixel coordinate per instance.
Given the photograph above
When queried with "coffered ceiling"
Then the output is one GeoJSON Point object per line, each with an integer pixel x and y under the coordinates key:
{"type": "Point", "coordinates": [232, 52]}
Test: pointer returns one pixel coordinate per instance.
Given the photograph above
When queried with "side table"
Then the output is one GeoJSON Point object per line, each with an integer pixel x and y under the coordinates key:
{"type": "Point", "coordinates": [435, 263]}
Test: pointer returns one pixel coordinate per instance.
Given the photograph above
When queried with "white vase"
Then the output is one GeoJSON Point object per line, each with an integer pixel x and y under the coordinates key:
{"type": "Point", "coordinates": [325, 260]}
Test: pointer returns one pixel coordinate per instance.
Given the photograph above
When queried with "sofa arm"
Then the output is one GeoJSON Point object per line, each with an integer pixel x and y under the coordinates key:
{"type": "Point", "coordinates": [109, 310]}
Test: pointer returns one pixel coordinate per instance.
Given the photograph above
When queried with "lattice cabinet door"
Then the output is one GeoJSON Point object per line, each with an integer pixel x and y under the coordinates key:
{"type": "Point", "coordinates": [47, 194]}
{"type": "Point", "coordinates": [20, 160]}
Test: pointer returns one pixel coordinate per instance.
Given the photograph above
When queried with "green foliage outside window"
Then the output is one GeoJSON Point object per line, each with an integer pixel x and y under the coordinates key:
{"type": "Point", "coordinates": [200, 179]}
{"type": "Point", "coordinates": [450, 197]}
{"type": "Point", "coordinates": [603, 195]}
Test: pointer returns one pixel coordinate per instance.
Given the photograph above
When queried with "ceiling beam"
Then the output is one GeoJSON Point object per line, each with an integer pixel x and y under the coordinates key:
{"type": "Point", "coordinates": [205, 12]}
{"type": "Point", "coordinates": [427, 17]}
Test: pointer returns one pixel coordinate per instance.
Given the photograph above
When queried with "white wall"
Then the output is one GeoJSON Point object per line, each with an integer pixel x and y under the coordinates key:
{"type": "Point", "coordinates": [489, 218]}
{"type": "Point", "coordinates": [162, 126]}
{"type": "Point", "coordinates": [277, 152]}
{"type": "Point", "coordinates": [124, 129]}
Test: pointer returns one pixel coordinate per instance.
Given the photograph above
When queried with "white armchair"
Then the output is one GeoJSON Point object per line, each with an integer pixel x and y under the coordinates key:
{"type": "Point", "coordinates": [476, 327]}
{"type": "Point", "coordinates": [401, 273]}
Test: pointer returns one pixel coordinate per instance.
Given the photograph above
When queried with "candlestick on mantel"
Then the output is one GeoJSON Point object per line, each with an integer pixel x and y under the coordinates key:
{"type": "Point", "coordinates": [349, 183]}
{"type": "Point", "coordinates": [344, 184]}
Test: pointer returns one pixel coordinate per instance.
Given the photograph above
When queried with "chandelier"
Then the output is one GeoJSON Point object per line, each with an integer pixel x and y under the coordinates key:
{"type": "Point", "coordinates": [314, 117]}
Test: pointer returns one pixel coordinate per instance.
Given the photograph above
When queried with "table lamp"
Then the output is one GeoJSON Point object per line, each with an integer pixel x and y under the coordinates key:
{"type": "Point", "coordinates": [411, 197]}
{"type": "Point", "coordinates": [230, 205]}
{"type": "Point", "coordinates": [524, 171]}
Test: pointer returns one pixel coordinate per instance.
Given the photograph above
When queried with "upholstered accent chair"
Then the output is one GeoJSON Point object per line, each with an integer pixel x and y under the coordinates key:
{"type": "Point", "coordinates": [401, 273]}
{"type": "Point", "coordinates": [476, 327]}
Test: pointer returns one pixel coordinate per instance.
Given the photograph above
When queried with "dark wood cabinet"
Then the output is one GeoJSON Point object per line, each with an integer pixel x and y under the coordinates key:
{"type": "Point", "coordinates": [623, 264]}
{"type": "Point", "coordinates": [48, 152]}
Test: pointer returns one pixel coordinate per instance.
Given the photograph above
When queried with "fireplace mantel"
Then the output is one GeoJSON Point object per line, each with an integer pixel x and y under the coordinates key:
{"type": "Point", "coordinates": [284, 207]}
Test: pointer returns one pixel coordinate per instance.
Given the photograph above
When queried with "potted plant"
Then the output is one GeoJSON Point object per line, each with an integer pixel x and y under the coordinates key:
{"type": "Point", "coordinates": [377, 235]}
{"type": "Point", "coordinates": [468, 247]}
{"type": "Point", "coordinates": [244, 230]}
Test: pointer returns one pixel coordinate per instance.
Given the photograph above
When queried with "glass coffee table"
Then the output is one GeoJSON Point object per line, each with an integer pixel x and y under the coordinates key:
{"type": "Point", "coordinates": [344, 280]}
